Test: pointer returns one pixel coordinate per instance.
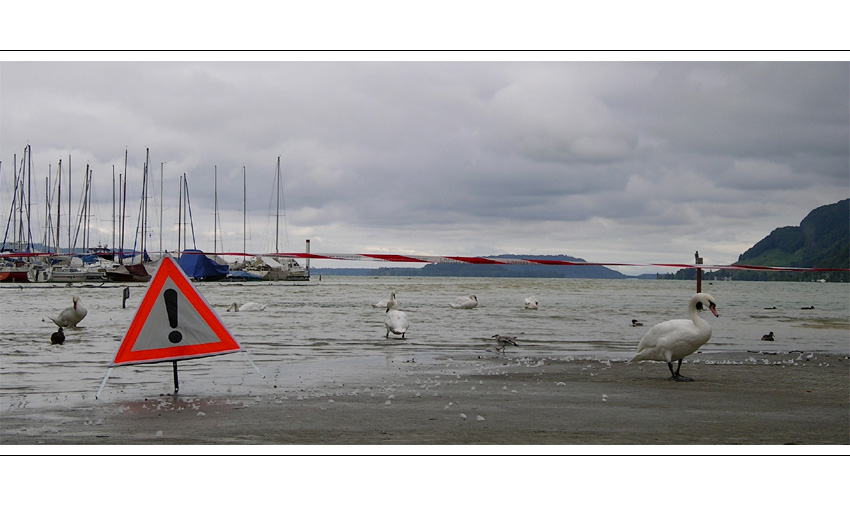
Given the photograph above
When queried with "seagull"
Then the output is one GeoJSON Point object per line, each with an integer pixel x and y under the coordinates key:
{"type": "Point", "coordinates": [465, 302]}
{"type": "Point", "coordinates": [531, 302]}
{"type": "Point", "coordinates": [636, 323]}
{"type": "Point", "coordinates": [504, 342]}
{"type": "Point", "coordinates": [58, 337]}
{"type": "Point", "coordinates": [248, 306]}
{"type": "Point", "coordinates": [71, 316]}
{"type": "Point", "coordinates": [767, 337]}
{"type": "Point", "coordinates": [396, 322]}
{"type": "Point", "coordinates": [676, 339]}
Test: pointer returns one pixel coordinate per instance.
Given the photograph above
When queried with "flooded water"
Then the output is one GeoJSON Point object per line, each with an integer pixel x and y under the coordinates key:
{"type": "Point", "coordinates": [326, 331]}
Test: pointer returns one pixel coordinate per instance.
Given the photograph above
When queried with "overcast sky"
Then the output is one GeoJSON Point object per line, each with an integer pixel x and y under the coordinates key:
{"type": "Point", "coordinates": [641, 162]}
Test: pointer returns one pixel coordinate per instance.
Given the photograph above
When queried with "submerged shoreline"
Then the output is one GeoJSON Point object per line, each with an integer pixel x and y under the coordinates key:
{"type": "Point", "coordinates": [796, 398]}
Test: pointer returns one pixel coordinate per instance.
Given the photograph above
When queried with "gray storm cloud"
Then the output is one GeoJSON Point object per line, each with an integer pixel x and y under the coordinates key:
{"type": "Point", "coordinates": [651, 160]}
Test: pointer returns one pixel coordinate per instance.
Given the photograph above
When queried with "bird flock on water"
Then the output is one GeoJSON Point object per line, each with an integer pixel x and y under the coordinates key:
{"type": "Point", "coordinates": [670, 341]}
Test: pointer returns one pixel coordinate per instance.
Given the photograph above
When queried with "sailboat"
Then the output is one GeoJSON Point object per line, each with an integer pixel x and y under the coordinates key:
{"type": "Point", "coordinates": [238, 270]}
{"type": "Point", "coordinates": [194, 262]}
{"type": "Point", "coordinates": [17, 258]}
{"type": "Point", "coordinates": [133, 272]}
{"type": "Point", "coordinates": [278, 268]}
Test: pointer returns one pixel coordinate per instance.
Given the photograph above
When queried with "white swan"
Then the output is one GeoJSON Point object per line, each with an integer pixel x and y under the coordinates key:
{"type": "Point", "coordinates": [465, 302]}
{"type": "Point", "coordinates": [70, 317]}
{"type": "Point", "coordinates": [396, 322]}
{"type": "Point", "coordinates": [531, 302]}
{"type": "Point", "coordinates": [676, 339]}
{"type": "Point", "coordinates": [392, 303]}
{"type": "Point", "coordinates": [248, 306]}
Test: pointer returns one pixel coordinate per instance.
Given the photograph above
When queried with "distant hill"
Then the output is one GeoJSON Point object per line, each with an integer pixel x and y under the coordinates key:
{"type": "Point", "coordinates": [525, 271]}
{"type": "Point", "coordinates": [821, 240]}
{"type": "Point", "coordinates": [491, 271]}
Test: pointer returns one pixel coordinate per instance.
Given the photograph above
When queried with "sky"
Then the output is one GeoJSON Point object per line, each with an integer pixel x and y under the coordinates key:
{"type": "Point", "coordinates": [608, 161]}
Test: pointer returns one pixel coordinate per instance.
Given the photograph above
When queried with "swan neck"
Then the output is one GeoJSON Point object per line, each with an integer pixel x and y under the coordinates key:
{"type": "Point", "coordinates": [694, 314]}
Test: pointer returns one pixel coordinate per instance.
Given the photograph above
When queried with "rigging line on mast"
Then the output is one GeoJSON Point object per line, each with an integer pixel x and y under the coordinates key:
{"type": "Point", "coordinates": [189, 208]}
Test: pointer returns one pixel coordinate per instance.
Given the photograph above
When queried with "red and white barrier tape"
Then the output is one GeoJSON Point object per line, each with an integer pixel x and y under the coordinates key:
{"type": "Point", "coordinates": [430, 259]}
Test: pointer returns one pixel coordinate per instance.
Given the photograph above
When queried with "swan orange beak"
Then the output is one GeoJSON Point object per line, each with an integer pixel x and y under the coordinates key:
{"type": "Point", "coordinates": [713, 309]}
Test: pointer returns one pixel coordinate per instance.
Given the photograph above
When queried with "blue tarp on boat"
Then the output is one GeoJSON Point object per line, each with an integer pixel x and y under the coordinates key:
{"type": "Point", "coordinates": [197, 266]}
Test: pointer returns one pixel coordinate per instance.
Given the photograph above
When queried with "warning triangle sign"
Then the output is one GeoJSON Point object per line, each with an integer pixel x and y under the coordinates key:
{"type": "Point", "coordinates": [173, 322]}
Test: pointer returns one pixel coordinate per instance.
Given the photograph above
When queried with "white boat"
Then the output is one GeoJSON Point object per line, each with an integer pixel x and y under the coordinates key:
{"type": "Point", "coordinates": [271, 269]}
{"type": "Point", "coordinates": [70, 270]}
{"type": "Point", "coordinates": [68, 274]}
{"type": "Point", "coordinates": [39, 273]}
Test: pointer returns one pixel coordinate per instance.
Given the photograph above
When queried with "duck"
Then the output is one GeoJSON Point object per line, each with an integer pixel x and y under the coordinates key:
{"type": "Point", "coordinates": [385, 303]}
{"type": "Point", "coordinates": [531, 302]}
{"type": "Point", "coordinates": [248, 306]}
{"type": "Point", "coordinates": [767, 337]}
{"type": "Point", "coordinates": [674, 340]}
{"type": "Point", "coordinates": [58, 337]}
{"type": "Point", "coordinates": [465, 302]}
{"type": "Point", "coordinates": [636, 323]}
{"type": "Point", "coordinates": [396, 322]}
{"type": "Point", "coordinates": [71, 316]}
{"type": "Point", "coordinates": [503, 342]}
{"type": "Point", "coordinates": [810, 307]}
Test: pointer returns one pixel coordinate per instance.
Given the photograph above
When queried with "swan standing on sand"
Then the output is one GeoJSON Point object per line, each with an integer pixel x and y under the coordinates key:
{"type": "Point", "coordinates": [396, 322]}
{"type": "Point", "coordinates": [248, 306]}
{"type": "Point", "coordinates": [465, 302]}
{"type": "Point", "coordinates": [531, 302]}
{"type": "Point", "coordinates": [676, 339]}
{"type": "Point", "coordinates": [70, 317]}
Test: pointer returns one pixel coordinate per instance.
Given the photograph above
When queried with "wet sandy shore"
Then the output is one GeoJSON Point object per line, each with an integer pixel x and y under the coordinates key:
{"type": "Point", "coordinates": [736, 399]}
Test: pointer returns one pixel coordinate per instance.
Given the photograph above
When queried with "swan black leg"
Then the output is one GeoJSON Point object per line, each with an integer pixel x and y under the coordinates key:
{"type": "Point", "coordinates": [676, 375]}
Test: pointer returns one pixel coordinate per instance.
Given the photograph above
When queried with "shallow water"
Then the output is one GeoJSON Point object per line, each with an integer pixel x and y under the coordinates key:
{"type": "Point", "coordinates": [326, 331]}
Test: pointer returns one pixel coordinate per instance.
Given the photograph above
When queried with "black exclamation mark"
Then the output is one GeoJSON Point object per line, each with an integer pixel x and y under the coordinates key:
{"type": "Point", "coordinates": [170, 297]}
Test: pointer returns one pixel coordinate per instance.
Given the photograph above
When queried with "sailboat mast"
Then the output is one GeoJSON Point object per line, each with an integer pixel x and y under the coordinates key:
{"type": "Point", "coordinates": [59, 205]}
{"type": "Point", "coordinates": [215, 209]}
{"type": "Point", "coordinates": [45, 237]}
{"type": "Point", "coordinates": [145, 202]}
{"type": "Point", "coordinates": [113, 211]}
{"type": "Point", "coordinates": [161, 165]}
{"type": "Point", "coordinates": [88, 208]}
{"type": "Point", "coordinates": [123, 209]}
{"type": "Point", "coordinates": [19, 199]}
{"type": "Point", "coordinates": [70, 248]}
{"type": "Point", "coordinates": [29, 197]}
{"type": "Point", "coordinates": [179, 216]}
{"type": "Point", "coordinates": [244, 211]}
{"type": "Point", "coordinates": [277, 210]}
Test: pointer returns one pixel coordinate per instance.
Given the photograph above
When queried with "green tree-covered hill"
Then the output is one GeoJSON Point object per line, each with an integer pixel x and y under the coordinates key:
{"type": "Point", "coordinates": [821, 240]}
